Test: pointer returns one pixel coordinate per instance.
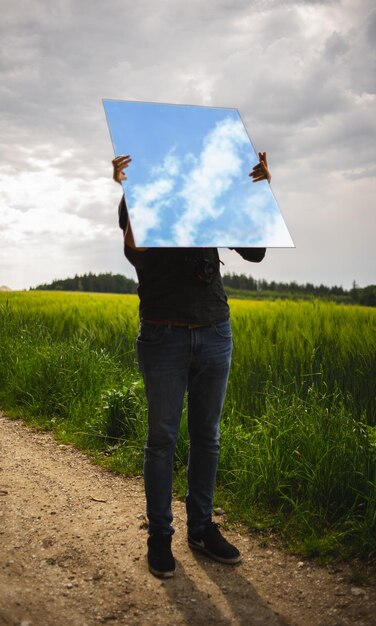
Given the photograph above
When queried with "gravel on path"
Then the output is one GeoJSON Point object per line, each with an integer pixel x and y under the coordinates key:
{"type": "Point", "coordinates": [73, 545]}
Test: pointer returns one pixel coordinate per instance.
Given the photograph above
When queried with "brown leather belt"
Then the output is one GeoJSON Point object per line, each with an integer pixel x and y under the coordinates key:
{"type": "Point", "coordinates": [175, 323]}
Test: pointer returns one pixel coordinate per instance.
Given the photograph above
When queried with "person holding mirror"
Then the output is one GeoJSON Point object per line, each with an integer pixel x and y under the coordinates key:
{"type": "Point", "coordinates": [184, 345]}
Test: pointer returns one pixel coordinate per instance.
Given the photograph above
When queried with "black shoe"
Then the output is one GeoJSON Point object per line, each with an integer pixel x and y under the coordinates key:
{"type": "Point", "coordinates": [160, 559]}
{"type": "Point", "coordinates": [211, 542]}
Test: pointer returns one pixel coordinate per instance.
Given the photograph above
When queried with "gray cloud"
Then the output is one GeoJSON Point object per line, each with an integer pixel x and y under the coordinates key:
{"type": "Point", "coordinates": [301, 74]}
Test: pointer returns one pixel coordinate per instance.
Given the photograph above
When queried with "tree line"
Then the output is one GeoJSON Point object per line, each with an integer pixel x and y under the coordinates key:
{"type": "Point", "coordinates": [99, 283]}
{"type": "Point", "coordinates": [356, 295]}
{"type": "Point", "coordinates": [237, 285]}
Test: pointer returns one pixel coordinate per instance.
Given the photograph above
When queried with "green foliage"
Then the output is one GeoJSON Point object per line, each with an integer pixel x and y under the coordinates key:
{"type": "Point", "coordinates": [298, 344]}
{"type": "Point", "coordinates": [365, 296]}
{"type": "Point", "coordinates": [315, 467]}
{"type": "Point", "coordinates": [237, 286]}
{"type": "Point", "coordinates": [101, 283]}
{"type": "Point", "coordinates": [298, 443]}
{"type": "Point", "coordinates": [242, 286]}
{"type": "Point", "coordinates": [123, 413]}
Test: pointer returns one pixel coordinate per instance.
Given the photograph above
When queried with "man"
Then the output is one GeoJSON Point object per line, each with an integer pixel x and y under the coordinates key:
{"type": "Point", "coordinates": [184, 345]}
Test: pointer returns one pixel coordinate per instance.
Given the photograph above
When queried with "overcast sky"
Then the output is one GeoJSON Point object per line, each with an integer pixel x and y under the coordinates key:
{"type": "Point", "coordinates": [302, 75]}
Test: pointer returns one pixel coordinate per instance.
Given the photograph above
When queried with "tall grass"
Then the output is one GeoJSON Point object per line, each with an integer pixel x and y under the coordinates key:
{"type": "Point", "coordinates": [301, 343]}
{"type": "Point", "coordinates": [298, 430]}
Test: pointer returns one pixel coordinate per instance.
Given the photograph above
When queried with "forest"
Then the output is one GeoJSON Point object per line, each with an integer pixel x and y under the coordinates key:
{"type": "Point", "coordinates": [237, 286]}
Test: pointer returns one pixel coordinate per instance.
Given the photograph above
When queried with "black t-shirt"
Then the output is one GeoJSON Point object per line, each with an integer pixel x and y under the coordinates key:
{"type": "Point", "coordinates": [181, 284]}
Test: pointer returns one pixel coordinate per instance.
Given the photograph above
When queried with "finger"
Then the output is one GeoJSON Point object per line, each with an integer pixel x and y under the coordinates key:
{"type": "Point", "coordinates": [121, 160]}
{"type": "Point", "coordinates": [266, 171]}
{"type": "Point", "coordinates": [261, 163]}
{"type": "Point", "coordinates": [260, 174]}
{"type": "Point", "coordinates": [262, 157]}
{"type": "Point", "coordinates": [255, 179]}
{"type": "Point", "coordinates": [122, 157]}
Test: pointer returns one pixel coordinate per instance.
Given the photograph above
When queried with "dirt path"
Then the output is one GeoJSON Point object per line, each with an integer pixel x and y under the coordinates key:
{"type": "Point", "coordinates": [73, 554]}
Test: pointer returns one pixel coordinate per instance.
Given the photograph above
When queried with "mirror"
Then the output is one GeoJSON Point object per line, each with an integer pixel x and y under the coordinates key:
{"type": "Point", "coordinates": [188, 184]}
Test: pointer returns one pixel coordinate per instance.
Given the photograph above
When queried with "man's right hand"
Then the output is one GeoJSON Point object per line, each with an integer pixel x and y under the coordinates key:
{"type": "Point", "coordinates": [120, 163]}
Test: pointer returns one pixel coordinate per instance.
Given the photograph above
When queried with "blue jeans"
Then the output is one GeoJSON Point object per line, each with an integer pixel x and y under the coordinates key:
{"type": "Point", "coordinates": [174, 360]}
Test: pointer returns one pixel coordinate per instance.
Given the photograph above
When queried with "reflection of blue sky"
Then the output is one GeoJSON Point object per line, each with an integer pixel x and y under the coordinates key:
{"type": "Point", "coordinates": [188, 182]}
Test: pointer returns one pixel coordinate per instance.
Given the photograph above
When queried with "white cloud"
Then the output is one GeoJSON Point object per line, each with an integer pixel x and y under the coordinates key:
{"type": "Point", "coordinates": [170, 165]}
{"type": "Point", "coordinates": [43, 201]}
{"type": "Point", "coordinates": [147, 204]}
{"type": "Point", "coordinates": [270, 226]}
{"type": "Point", "coordinates": [213, 174]}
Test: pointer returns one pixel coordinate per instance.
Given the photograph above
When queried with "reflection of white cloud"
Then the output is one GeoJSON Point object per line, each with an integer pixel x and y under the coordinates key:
{"type": "Point", "coordinates": [256, 223]}
{"type": "Point", "coordinates": [216, 167]}
{"type": "Point", "coordinates": [148, 200]}
{"type": "Point", "coordinates": [219, 238]}
{"type": "Point", "coordinates": [200, 184]}
{"type": "Point", "coordinates": [269, 227]}
{"type": "Point", "coordinates": [276, 233]}
{"type": "Point", "coordinates": [170, 165]}
{"type": "Point", "coordinates": [271, 233]}
{"type": "Point", "coordinates": [256, 205]}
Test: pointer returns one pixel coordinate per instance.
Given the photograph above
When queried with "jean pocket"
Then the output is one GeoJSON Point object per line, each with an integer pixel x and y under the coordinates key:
{"type": "Point", "coordinates": [151, 333]}
{"type": "Point", "coordinates": [223, 329]}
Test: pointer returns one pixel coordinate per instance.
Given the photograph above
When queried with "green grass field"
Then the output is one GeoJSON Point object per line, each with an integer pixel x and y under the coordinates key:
{"type": "Point", "coordinates": [298, 442]}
